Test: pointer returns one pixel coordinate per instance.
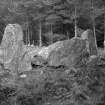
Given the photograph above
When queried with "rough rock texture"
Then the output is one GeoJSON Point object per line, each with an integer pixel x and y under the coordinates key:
{"type": "Point", "coordinates": [62, 53]}
{"type": "Point", "coordinates": [45, 51]}
{"type": "Point", "coordinates": [69, 54]}
{"type": "Point", "coordinates": [25, 63]}
{"type": "Point", "coordinates": [40, 56]}
{"type": "Point", "coordinates": [91, 41]}
{"type": "Point", "coordinates": [11, 46]}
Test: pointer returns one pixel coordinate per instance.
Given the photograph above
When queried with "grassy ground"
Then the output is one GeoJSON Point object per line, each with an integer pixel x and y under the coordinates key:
{"type": "Point", "coordinates": [83, 85]}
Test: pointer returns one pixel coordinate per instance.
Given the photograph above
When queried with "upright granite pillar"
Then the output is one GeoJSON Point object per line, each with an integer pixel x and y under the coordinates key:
{"type": "Point", "coordinates": [11, 46]}
{"type": "Point", "coordinates": [91, 41]}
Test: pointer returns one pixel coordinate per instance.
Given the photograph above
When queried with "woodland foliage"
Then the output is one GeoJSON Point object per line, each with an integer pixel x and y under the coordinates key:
{"type": "Point", "coordinates": [39, 17]}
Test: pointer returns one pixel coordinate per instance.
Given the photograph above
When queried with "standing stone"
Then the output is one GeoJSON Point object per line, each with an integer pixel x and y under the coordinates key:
{"type": "Point", "coordinates": [91, 41]}
{"type": "Point", "coordinates": [11, 45]}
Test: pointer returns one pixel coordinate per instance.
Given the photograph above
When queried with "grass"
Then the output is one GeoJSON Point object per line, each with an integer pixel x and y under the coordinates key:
{"type": "Point", "coordinates": [84, 85]}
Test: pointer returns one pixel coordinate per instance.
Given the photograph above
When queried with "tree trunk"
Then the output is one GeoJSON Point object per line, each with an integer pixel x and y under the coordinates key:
{"type": "Point", "coordinates": [33, 42]}
{"type": "Point", "coordinates": [67, 35]}
{"type": "Point", "coordinates": [51, 34]}
{"type": "Point", "coordinates": [104, 26]}
{"type": "Point", "coordinates": [75, 21]}
{"type": "Point", "coordinates": [28, 34]}
{"type": "Point", "coordinates": [26, 37]}
{"type": "Point", "coordinates": [40, 34]}
{"type": "Point", "coordinates": [93, 20]}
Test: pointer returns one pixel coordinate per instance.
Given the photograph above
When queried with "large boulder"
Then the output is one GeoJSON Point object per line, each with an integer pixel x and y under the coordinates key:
{"type": "Point", "coordinates": [62, 53]}
{"type": "Point", "coordinates": [39, 56]}
{"type": "Point", "coordinates": [70, 53]}
{"type": "Point", "coordinates": [45, 51]}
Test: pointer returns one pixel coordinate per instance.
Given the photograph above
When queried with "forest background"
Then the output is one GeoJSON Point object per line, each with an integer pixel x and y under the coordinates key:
{"type": "Point", "coordinates": [47, 21]}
